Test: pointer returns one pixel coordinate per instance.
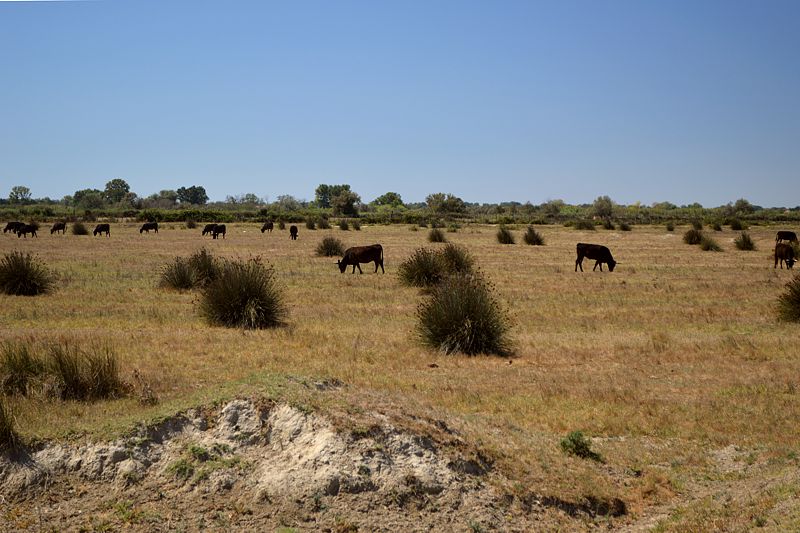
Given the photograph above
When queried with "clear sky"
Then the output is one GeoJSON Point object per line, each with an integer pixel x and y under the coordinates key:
{"type": "Point", "coordinates": [680, 101]}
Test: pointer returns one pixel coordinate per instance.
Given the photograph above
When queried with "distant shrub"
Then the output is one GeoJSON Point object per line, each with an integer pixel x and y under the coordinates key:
{"type": "Point", "coordinates": [693, 236]}
{"type": "Point", "coordinates": [744, 242]}
{"type": "Point", "coordinates": [707, 244]}
{"type": "Point", "coordinates": [453, 228]}
{"type": "Point", "coordinates": [697, 225]}
{"type": "Point", "coordinates": [178, 275]}
{"type": "Point", "coordinates": [245, 295]}
{"type": "Point", "coordinates": [281, 224]}
{"type": "Point", "coordinates": [311, 223]}
{"type": "Point", "coordinates": [191, 224]}
{"type": "Point", "coordinates": [737, 225]}
{"type": "Point", "coordinates": [79, 228]}
{"type": "Point", "coordinates": [24, 275]}
{"type": "Point", "coordinates": [578, 445]}
{"type": "Point", "coordinates": [343, 225]}
{"type": "Point", "coordinates": [670, 226]}
{"type": "Point", "coordinates": [456, 259]}
{"type": "Point", "coordinates": [789, 301]}
{"type": "Point", "coordinates": [504, 236]}
{"type": "Point", "coordinates": [423, 268]}
{"type": "Point", "coordinates": [324, 224]}
{"type": "Point", "coordinates": [436, 235]}
{"type": "Point", "coordinates": [413, 228]}
{"type": "Point", "coordinates": [423, 224]}
{"type": "Point", "coordinates": [463, 315]}
{"type": "Point", "coordinates": [330, 246]}
{"type": "Point", "coordinates": [715, 226]}
{"type": "Point", "coordinates": [586, 225]}
{"type": "Point", "coordinates": [357, 225]}
{"type": "Point", "coordinates": [607, 224]}
{"type": "Point", "coordinates": [9, 440]}
{"type": "Point", "coordinates": [205, 266]}
{"type": "Point", "coordinates": [533, 237]}
{"type": "Point", "coordinates": [624, 226]}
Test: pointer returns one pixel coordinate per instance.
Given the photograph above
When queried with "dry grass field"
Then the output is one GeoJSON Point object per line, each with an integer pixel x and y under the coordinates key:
{"type": "Point", "coordinates": [674, 364]}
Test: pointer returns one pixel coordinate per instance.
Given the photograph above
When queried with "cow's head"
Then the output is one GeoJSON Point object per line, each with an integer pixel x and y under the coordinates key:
{"type": "Point", "coordinates": [790, 262]}
{"type": "Point", "coordinates": [342, 266]}
{"type": "Point", "coordinates": [611, 265]}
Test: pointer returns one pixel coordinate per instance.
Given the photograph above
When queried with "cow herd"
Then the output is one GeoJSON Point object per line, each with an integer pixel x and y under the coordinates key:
{"type": "Point", "coordinates": [784, 253]}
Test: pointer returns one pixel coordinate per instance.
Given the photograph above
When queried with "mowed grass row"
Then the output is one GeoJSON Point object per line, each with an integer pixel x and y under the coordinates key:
{"type": "Point", "coordinates": [676, 344]}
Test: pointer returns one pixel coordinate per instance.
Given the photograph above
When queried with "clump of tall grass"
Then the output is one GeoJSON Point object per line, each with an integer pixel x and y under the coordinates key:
{"type": "Point", "coordinates": [737, 225]}
{"type": "Point", "coordinates": [205, 266]}
{"type": "Point", "coordinates": [670, 226]}
{"type": "Point", "coordinates": [178, 275]}
{"type": "Point", "coordinates": [422, 269]}
{"type": "Point", "coordinates": [707, 244]}
{"type": "Point", "coordinates": [504, 236]}
{"type": "Point", "coordinates": [693, 236]}
{"type": "Point", "coordinates": [716, 226]}
{"type": "Point", "coordinates": [587, 225]}
{"type": "Point", "coordinates": [245, 295]}
{"type": "Point", "coordinates": [533, 237]}
{"type": "Point", "coordinates": [607, 224]}
{"type": "Point", "coordinates": [330, 246]}
{"type": "Point", "coordinates": [20, 366]}
{"type": "Point", "coordinates": [79, 228]}
{"type": "Point", "coordinates": [697, 225]}
{"type": "Point", "coordinates": [281, 224]}
{"type": "Point", "coordinates": [343, 225]}
{"type": "Point", "coordinates": [744, 242]}
{"type": "Point", "coordinates": [357, 225]}
{"type": "Point", "coordinates": [624, 226]}
{"type": "Point", "coordinates": [789, 301]}
{"type": "Point", "coordinates": [191, 224]}
{"type": "Point", "coordinates": [311, 223]}
{"type": "Point", "coordinates": [462, 315]}
{"type": "Point", "coordinates": [436, 235]}
{"type": "Point", "coordinates": [453, 228]}
{"type": "Point", "coordinates": [9, 440]}
{"type": "Point", "coordinates": [24, 275]}
{"type": "Point", "coordinates": [324, 224]}
{"type": "Point", "coordinates": [456, 259]}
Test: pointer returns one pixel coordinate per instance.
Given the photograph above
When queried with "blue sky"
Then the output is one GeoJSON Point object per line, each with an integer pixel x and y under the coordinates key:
{"type": "Point", "coordinates": [678, 101]}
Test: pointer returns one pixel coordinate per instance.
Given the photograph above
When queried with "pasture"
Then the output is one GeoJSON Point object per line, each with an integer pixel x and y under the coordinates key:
{"type": "Point", "coordinates": [674, 363]}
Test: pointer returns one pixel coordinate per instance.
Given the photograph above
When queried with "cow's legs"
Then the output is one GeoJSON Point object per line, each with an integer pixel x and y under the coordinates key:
{"type": "Point", "coordinates": [579, 263]}
{"type": "Point", "coordinates": [359, 268]}
{"type": "Point", "coordinates": [354, 269]}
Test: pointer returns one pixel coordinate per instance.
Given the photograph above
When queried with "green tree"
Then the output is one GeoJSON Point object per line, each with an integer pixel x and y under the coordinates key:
{"type": "Point", "coordinates": [391, 199]}
{"type": "Point", "coordinates": [603, 207]}
{"type": "Point", "coordinates": [346, 203]}
{"type": "Point", "coordinates": [324, 194]}
{"type": "Point", "coordinates": [19, 195]}
{"type": "Point", "coordinates": [116, 190]}
{"type": "Point", "coordinates": [444, 204]}
{"type": "Point", "coordinates": [195, 195]}
{"type": "Point", "coordinates": [89, 198]}
{"type": "Point", "coordinates": [553, 207]}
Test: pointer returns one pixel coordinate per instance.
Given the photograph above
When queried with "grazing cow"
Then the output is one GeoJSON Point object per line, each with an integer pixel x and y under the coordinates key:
{"type": "Point", "coordinates": [786, 236]}
{"type": "Point", "coordinates": [219, 229]}
{"type": "Point", "coordinates": [362, 254]}
{"type": "Point", "coordinates": [599, 253]}
{"type": "Point", "coordinates": [267, 227]}
{"type": "Point", "coordinates": [209, 229]}
{"type": "Point", "coordinates": [24, 229]}
{"type": "Point", "coordinates": [59, 226]}
{"type": "Point", "coordinates": [147, 226]}
{"type": "Point", "coordinates": [102, 228]}
{"type": "Point", "coordinates": [784, 253]}
{"type": "Point", "coordinates": [13, 226]}
{"type": "Point", "coordinates": [293, 232]}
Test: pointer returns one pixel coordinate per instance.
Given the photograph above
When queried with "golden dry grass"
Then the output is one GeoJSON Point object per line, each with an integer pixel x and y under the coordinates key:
{"type": "Point", "coordinates": [673, 355]}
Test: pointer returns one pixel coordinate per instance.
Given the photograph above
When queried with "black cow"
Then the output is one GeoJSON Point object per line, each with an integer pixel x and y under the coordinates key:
{"type": "Point", "coordinates": [267, 227]}
{"type": "Point", "coordinates": [293, 232]}
{"type": "Point", "coordinates": [784, 253]}
{"type": "Point", "coordinates": [102, 228]}
{"type": "Point", "coordinates": [209, 229]}
{"type": "Point", "coordinates": [24, 229]}
{"type": "Point", "coordinates": [362, 254]}
{"type": "Point", "coordinates": [13, 226]}
{"type": "Point", "coordinates": [59, 226]}
{"type": "Point", "coordinates": [147, 226]}
{"type": "Point", "coordinates": [219, 229]}
{"type": "Point", "coordinates": [599, 253]}
{"type": "Point", "coordinates": [786, 236]}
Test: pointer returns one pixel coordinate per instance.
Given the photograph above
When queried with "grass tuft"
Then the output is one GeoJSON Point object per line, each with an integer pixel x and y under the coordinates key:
{"type": "Point", "coordinates": [20, 366]}
{"type": "Point", "coordinates": [343, 225]}
{"type": "Point", "coordinates": [693, 236]}
{"type": "Point", "coordinates": [79, 228]}
{"type": "Point", "coordinates": [436, 235]}
{"type": "Point", "coordinates": [697, 225]}
{"type": "Point", "coordinates": [330, 246]}
{"type": "Point", "coordinates": [607, 224]}
{"type": "Point", "coordinates": [737, 225]}
{"type": "Point", "coordinates": [178, 275]}
{"type": "Point", "coordinates": [191, 224]}
{"type": "Point", "coordinates": [586, 225]}
{"type": "Point", "coordinates": [24, 275]}
{"type": "Point", "coordinates": [205, 266]}
{"type": "Point", "coordinates": [707, 244]}
{"type": "Point", "coordinates": [245, 295]}
{"type": "Point", "coordinates": [456, 259]}
{"type": "Point", "coordinates": [422, 269]}
{"type": "Point", "coordinates": [9, 440]}
{"type": "Point", "coordinates": [533, 237]}
{"type": "Point", "coordinates": [624, 226]}
{"type": "Point", "coordinates": [670, 226]}
{"type": "Point", "coordinates": [311, 224]}
{"type": "Point", "coordinates": [504, 236]}
{"type": "Point", "coordinates": [463, 315]}
{"type": "Point", "coordinates": [357, 225]}
{"type": "Point", "coordinates": [324, 224]}
{"type": "Point", "coordinates": [744, 242]}
{"type": "Point", "coordinates": [716, 226]}
{"type": "Point", "coordinates": [789, 301]}
{"type": "Point", "coordinates": [578, 445]}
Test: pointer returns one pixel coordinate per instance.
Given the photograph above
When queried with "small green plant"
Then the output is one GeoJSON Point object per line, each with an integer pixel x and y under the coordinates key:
{"type": "Point", "coordinates": [436, 235]}
{"type": "Point", "coordinates": [178, 275]}
{"type": "Point", "coordinates": [9, 440]}
{"type": "Point", "coordinates": [707, 244]}
{"type": "Point", "coordinates": [456, 259]}
{"type": "Point", "coordinates": [737, 225]}
{"type": "Point", "coordinates": [607, 224]}
{"type": "Point", "coordinates": [789, 301]}
{"type": "Point", "coordinates": [24, 275]}
{"type": "Point", "coordinates": [533, 237]}
{"type": "Point", "coordinates": [578, 445]}
{"type": "Point", "coordinates": [245, 295]}
{"type": "Point", "coordinates": [191, 224]}
{"type": "Point", "coordinates": [504, 236]}
{"type": "Point", "coordinates": [744, 242]}
{"type": "Point", "coordinates": [79, 228]}
{"type": "Point", "coordinates": [343, 225]}
{"type": "Point", "coordinates": [422, 269]}
{"type": "Point", "coordinates": [311, 223]}
{"type": "Point", "coordinates": [693, 236]}
{"type": "Point", "coordinates": [182, 469]}
{"type": "Point", "coordinates": [586, 225]}
{"type": "Point", "coordinates": [357, 225]}
{"type": "Point", "coordinates": [330, 246]}
{"type": "Point", "coordinates": [670, 226]}
{"type": "Point", "coordinates": [624, 226]}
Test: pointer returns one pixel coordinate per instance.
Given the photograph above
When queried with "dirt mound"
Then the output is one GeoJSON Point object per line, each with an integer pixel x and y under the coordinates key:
{"type": "Point", "coordinates": [258, 466]}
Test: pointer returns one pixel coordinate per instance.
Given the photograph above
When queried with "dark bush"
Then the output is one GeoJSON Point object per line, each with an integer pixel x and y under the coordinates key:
{"type": "Point", "coordinates": [707, 244]}
{"type": "Point", "coordinates": [423, 268]}
{"type": "Point", "coordinates": [670, 226]}
{"type": "Point", "coordinates": [245, 295]}
{"type": "Point", "coordinates": [330, 246]}
{"type": "Point", "coordinates": [311, 224]}
{"type": "Point", "coordinates": [715, 226]}
{"type": "Point", "coordinates": [456, 259]}
{"type": "Point", "coordinates": [533, 237]}
{"type": "Point", "coordinates": [9, 440]}
{"type": "Point", "coordinates": [504, 236]}
{"type": "Point", "coordinates": [206, 268]}
{"type": "Point", "coordinates": [789, 301]}
{"type": "Point", "coordinates": [324, 224]}
{"type": "Point", "coordinates": [24, 275]}
{"type": "Point", "coordinates": [607, 224]}
{"type": "Point", "coordinates": [453, 228]}
{"type": "Point", "coordinates": [179, 275]}
{"type": "Point", "coordinates": [191, 224]}
{"type": "Point", "coordinates": [79, 228]}
{"type": "Point", "coordinates": [357, 225]}
{"type": "Point", "coordinates": [697, 225]}
{"type": "Point", "coordinates": [281, 224]}
{"type": "Point", "coordinates": [693, 236]}
{"type": "Point", "coordinates": [578, 445]}
{"type": "Point", "coordinates": [343, 225]}
{"type": "Point", "coordinates": [586, 225]}
{"type": "Point", "coordinates": [624, 226]}
{"type": "Point", "coordinates": [462, 315]}
{"type": "Point", "coordinates": [436, 235]}
{"type": "Point", "coordinates": [744, 242]}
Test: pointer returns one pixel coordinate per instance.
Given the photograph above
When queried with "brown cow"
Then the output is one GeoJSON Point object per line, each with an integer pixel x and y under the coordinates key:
{"type": "Point", "coordinates": [362, 254]}
{"type": "Point", "coordinates": [784, 253]}
{"type": "Point", "coordinates": [293, 232]}
{"type": "Point", "coordinates": [102, 228]}
{"type": "Point", "coordinates": [23, 230]}
{"type": "Point", "coordinates": [208, 229]}
{"type": "Point", "coordinates": [59, 226]}
{"type": "Point", "coordinates": [267, 227]}
{"type": "Point", "coordinates": [219, 229]}
{"type": "Point", "coordinates": [147, 226]}
{"type": "Point", "coordinates": [13, 226]}
{"type": "Point", "coordinates": [784, 235]}
{"type": "Point", "coordinates": [599, 253]}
